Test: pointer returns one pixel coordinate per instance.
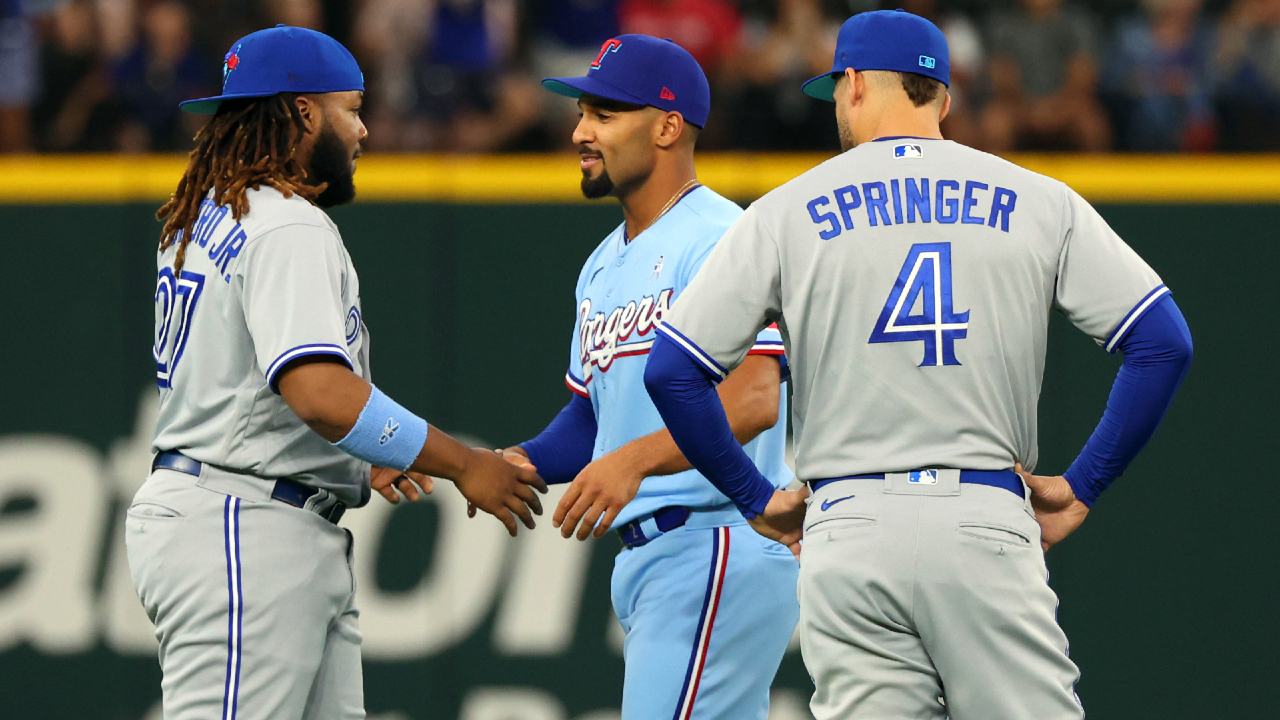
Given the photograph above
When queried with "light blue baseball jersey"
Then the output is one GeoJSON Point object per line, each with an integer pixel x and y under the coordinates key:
{"type": "Point", "coordinates": [624, 290]}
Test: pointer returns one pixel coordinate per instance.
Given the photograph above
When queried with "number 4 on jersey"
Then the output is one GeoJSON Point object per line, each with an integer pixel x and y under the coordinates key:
{"type": "Point", "coordinates": [924, 283]}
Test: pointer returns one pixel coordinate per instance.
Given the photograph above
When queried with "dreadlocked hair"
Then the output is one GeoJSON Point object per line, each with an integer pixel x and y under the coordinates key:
{"type": "Point", "coordinates": [248, 143]}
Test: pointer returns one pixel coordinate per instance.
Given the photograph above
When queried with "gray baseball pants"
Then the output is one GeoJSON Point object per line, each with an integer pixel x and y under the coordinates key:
{"type": "Point", "coordinates": [930, 602]}
{"type": "Point", "coordinates": [253, 603]}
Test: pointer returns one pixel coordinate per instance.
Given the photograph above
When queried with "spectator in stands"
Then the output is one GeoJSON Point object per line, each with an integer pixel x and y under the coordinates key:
{"type": "Point", "coordinates": [19, 75]}
{"type": "Point", "coordinates": [297, 13]}
{"type": "Point", "coordinates": [1158, 78]}
{"type": "Point", "coordinates": [1248, 67]}
{"type": "Point", "coordinates": [457, 93]}
{"type": "Point", "coordinates": [569, 34]}
{"type": "Point", "coordinates": [162, 71]}
{"type": "Point", "coordinates": [77, 110]}
{"type": "Point", "coordinates": [708, 29]}
{"type": "Point", "coordinates": [1043, 79]}
{"type": "Point", "coordinates": [567, 37]}
{"type": "Point", "coordinates": [781, 45]}
{"type": "Point", "coordinates": [968, 69]}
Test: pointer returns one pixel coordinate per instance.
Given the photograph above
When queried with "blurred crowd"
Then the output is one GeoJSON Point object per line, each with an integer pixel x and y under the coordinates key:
{"type": "Point", "coordinates": [462, 75]}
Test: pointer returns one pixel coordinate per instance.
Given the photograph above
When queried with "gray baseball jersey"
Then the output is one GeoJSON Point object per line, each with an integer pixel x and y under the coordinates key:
{"type": "Point", "coordinates": [254, 295]}
{"type": "Point", "coordinates": [912, 281]}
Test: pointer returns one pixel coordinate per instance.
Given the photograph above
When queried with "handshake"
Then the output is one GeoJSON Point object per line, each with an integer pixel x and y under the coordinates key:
{"type": "Point", "coordinates": [501, 483]}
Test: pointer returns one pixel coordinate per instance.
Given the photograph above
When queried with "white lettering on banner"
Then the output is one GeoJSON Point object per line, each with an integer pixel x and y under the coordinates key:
{"type": "Point", "coordinates": [445, 607]}
{"type": "Point", "coordinates": [125, 625]}
{"type": "Point", "coordinates": [51, 603]}
{"type": "Point", "coordinates": [511, 704]}
{"type": "Point", "coordinates": [536, 582]}
{"type": "Point", "coordinates": [548, 572]}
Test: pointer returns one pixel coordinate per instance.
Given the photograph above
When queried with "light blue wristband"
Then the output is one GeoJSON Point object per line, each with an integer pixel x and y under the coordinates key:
{"type": "Point", "coordinates": [385, 434]}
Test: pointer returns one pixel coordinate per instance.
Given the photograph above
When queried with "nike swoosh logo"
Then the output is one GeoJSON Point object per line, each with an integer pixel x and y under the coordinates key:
{"type": "Point", "coordinates": [826, 504]}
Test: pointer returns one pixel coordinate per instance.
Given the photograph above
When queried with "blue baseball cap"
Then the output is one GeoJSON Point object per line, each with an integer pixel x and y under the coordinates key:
{"type": "Point", "coordinates": [885, 40]}
{"type": "Point", "coordinates": [282, 59]}
{"type": "Point", "coordinates": [643, 70]}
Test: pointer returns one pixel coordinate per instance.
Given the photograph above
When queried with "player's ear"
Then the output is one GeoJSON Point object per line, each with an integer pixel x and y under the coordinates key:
{"type": "Point", "coordinates": [312, 114]}
{"type": "Point", "coordinates": [670, 129]}
{"type": "Point", "coordinates": [946, 106]}
{"type": "Point", "coordinates": [857, 85]}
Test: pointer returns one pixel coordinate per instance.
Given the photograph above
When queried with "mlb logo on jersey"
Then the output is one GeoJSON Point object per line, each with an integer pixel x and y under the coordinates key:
{"type": "Point", "coordinates": [908, 151]}
{"type": "Point", "coordinates": [923, 477]}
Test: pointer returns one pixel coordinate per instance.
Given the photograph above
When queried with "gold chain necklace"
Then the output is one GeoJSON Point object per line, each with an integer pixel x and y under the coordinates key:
{"type": "Point", "coordinates": [670, 204]}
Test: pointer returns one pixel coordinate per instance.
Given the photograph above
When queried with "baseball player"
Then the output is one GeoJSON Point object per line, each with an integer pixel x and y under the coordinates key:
{"type": "Point", "coordinates": [268, 426]}
{"type": "Point", "coordinates": [912, 279]}
{"type": "Point", "coordinates": [708, 606]}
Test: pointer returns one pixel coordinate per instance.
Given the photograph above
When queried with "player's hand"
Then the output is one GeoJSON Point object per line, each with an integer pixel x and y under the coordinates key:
{"type": "Point", "coordinates": [1057, 509]}
{"type": "Point", "coordinates": [386, 480]}
{"type": "Point", "coordinates": [783, 518]}
{"type": "Point", "coordinates": [603, 488]}
{"type": "Point", "coordinates": [514, 455]}
{"type": "Point", "coordinates": [501, 489]}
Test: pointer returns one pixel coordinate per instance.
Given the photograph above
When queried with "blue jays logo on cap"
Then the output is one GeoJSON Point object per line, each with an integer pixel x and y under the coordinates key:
{"type": "Point", "coordinates": [230, 62]}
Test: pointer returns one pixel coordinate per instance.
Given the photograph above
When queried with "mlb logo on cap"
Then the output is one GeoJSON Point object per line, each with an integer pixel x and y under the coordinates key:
{"type": "Point", "coordinates": [923, 477]}
{"type": "Point", "coordinates": [908, 151]}
{"type": "Point", "coordinates": [928, 62]}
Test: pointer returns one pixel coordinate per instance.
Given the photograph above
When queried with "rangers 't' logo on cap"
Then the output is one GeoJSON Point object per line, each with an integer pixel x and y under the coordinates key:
{"type": "Point", "coordinates": [610, 45]}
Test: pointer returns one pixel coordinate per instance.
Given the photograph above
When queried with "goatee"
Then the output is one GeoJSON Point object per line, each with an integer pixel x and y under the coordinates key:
{"type": "Point", "coordinates": [331, 163]}
{"type": "Point", "coordinates": [597, 188]}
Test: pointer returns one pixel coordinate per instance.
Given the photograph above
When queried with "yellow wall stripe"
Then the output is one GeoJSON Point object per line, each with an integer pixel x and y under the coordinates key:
{"type": "Point", "coordinates": [553, 178]}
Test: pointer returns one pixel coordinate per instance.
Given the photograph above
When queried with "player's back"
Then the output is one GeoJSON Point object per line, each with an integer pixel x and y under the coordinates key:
{"type": "Point", "coordinates": [254, 295]}
{"type": "Point", "coordinates": [916, 281]}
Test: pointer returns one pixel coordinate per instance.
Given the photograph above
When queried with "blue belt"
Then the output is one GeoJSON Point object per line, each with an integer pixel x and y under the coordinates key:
{"type": "Point", "coordinates": [285, 491]}
{"type": "Point", "coordinates": [1007, 479]}
{"type": "Point", "coordinates": [667, 519]}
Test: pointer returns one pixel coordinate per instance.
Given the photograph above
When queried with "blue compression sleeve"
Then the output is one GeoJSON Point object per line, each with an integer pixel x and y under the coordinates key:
{"type": "Point", "coordinates": [385, 434]}
{"type": "Point", "coordinates": [565, 447]}
{"type": "Point", "coordinates": [1157, 352]}
{"type": "Point", "coordinates": [686, 397]}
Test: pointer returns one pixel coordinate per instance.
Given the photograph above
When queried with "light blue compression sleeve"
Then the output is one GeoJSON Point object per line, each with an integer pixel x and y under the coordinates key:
{"type": "Point", "coordinates": [385, 434]}
{"type": "Point", "coordinates": [1157, 352]}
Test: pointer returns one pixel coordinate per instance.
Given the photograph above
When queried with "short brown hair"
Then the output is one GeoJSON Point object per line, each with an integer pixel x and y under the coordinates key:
{"type": "Point", "coordinates": [922, 90]}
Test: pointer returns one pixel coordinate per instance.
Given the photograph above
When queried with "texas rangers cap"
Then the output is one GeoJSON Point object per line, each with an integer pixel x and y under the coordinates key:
{"type": "Point", "coordinates": [282, 59]}
{"type": "Point", "coordinates": [885, 40]}
{"type": "Point", "coordinates": [644, 70]}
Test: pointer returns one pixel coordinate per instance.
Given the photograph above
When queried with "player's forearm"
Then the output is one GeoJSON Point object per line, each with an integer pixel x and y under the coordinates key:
{"type": "Point", "coordinates": [1157, 352]}
{"type": "Point", "coordinates": [693, 413]}
{"type": "Point", "coordinates": [750, 397]}
{"type": "Point", "coordinates": [331, 399]}
{"type": "Point", "coordinates": [566, 446]}
{"type": "Point", "coordinates": [442, 456]}
{"type": "Point", "coordinates": [327, 396]}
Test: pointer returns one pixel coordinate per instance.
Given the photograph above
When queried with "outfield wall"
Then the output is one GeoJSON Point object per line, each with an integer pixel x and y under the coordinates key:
{"type": "Point", "coordinates": [467, 268]}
